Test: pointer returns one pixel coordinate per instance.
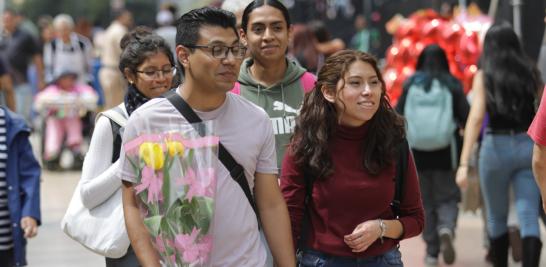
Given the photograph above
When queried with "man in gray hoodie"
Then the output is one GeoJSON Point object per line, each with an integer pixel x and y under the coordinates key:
{"type": "Point", "coordinates": [268, 78]}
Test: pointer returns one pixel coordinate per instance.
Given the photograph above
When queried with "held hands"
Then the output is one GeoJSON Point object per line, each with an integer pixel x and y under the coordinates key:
{"type": "Point", "coordinates": [363, 235]}
{"type": "Point", "coordinates": [29, 226]}
{"type": "Point", "coordinates": [462, 177]}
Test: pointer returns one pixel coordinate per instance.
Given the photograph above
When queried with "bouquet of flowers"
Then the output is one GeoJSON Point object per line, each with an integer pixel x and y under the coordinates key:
{"type": "Point", "coordinates": [176, 184]}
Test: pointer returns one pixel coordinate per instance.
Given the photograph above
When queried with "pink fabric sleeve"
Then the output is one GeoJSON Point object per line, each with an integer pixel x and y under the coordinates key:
{"type": "Point", "coordinates": [308, 81]}
{"type": "Point", "coordinates": [537, 130]}
{"type": "Point", "coordinates": [236, 88]}
{"type": "Point", "coordinates": [84, 88]}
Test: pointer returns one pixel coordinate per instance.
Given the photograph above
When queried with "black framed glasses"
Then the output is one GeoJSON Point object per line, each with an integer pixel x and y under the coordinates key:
{"type": "Point", "coordinates": [221, 51]}
{"type": "Point", "coordinates": [155, 74]}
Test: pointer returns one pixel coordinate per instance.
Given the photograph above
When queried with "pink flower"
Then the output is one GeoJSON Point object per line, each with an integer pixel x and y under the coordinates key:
{"type": "Point", "coordinates": [160, 244]}
{"type": "Point", "coordinates": [152, 182]}
{"type": "Point", "coordinates": [200, 184]}
{"type": "Point", "coordinates": [204, 247]}
{"type": "Point", "coordinates": [185, 244]}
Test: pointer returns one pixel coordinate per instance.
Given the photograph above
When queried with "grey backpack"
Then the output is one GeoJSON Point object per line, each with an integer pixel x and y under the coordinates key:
{"type": "Point", "coordinates": [429, 116]}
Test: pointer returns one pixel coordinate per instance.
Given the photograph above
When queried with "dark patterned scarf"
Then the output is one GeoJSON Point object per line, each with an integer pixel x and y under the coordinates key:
{"type": "Point", "coordinates": [134, 99]}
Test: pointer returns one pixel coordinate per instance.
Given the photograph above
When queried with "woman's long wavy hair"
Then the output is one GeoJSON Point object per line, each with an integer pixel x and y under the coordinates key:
{"type": "Point", "coordinates": [317, 122]}
{"type": "Point", "coordinates": [509, 75]}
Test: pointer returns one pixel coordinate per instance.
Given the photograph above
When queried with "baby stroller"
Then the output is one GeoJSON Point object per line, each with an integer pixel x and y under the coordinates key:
{"type": "Point", "coordinates": [67, 110]}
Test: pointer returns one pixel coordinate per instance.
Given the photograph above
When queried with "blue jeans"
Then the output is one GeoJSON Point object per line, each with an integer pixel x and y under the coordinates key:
{"type": "Point", "coordinates": [313, 258]}
{"type": "Point", "coordinates": [505, 160]}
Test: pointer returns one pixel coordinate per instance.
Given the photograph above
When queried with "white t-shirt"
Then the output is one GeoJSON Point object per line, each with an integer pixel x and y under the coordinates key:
{"type": "Point", "coordinates": [246, 132]}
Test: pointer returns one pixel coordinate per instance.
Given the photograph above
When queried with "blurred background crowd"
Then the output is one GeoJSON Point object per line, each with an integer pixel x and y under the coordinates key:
{"type": "Point", "coordinates": [50, 47]}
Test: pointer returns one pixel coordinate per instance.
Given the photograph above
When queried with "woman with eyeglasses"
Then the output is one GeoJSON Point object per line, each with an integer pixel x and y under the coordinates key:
{"type": "Point", "coordinates": [148, 65]}
{"type": "Point", "coordinates": [268, 78]}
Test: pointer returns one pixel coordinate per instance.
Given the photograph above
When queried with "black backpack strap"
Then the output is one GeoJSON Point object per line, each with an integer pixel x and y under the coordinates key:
{"type": "Point", "coordinates": [118, 118]}
{"type": "Point", "coordinates": [81, 44]}
{"type": "Point", "coordinates": [117, 140]}
{"type": "Point", "coordinates": [235, 169]}
{"type": "Point", "coordinates": [53, 47]}
{"type": "Point", "coordinates": [400, 175]}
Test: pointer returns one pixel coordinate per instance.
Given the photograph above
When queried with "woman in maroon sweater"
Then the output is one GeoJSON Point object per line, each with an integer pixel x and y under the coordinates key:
{"type": "Point", "coordinates": [346, 139]}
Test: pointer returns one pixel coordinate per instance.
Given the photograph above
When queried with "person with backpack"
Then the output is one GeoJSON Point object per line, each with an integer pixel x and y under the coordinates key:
{"type": "Point", "coordinates": [435, 108]}
{"type": "Point", "coordinates": [505, 89]}
{"type": "Point", "coordinates": [268, 78]}
{"type": "Point", "coordinates": [337, 174]}
{"type": "Point", "coordinates": [147, 63]}
{"type": "Point", "coordinates": [68, 51]}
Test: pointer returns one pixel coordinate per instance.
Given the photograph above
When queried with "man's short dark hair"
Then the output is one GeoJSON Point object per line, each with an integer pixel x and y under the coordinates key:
{"type": "Point", "coordinates": [187, 26]}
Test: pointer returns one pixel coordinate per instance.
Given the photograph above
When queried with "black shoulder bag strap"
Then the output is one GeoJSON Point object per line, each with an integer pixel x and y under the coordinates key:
{"type": "Point", "coordinates": [306, 219]}
{"type": "Point", "coordinates": [235, 169]}
{"type": "Point", "coordinates": [401, 167]}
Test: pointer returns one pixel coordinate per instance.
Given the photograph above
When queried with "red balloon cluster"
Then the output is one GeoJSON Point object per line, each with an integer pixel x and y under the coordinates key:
{"type": "Point", "coordinates": [423, 28]}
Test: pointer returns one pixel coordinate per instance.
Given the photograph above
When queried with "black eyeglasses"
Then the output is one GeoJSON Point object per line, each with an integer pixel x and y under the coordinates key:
{"type": "Point", "coordinates": [221, 51]}
{"type": "Point", "coordinates": [155, 74]}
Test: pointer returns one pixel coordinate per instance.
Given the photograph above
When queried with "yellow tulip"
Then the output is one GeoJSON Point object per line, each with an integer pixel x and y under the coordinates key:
{"type": "Point", "coordinates": [175, 148]}
{"type": "Point", "coordinates": [152, 154]}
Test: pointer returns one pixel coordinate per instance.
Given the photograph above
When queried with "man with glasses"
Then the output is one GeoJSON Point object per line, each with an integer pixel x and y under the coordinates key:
{"type": "Point", "coordinates": [208, 48]}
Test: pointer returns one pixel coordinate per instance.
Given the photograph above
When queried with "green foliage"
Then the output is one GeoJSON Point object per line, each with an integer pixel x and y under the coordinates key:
{"type": "Point", "coordinates": [153, 224]}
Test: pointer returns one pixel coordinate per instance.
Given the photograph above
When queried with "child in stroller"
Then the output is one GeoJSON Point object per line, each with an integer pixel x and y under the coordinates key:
{"type": "Point", "coordinates": [64, 102]}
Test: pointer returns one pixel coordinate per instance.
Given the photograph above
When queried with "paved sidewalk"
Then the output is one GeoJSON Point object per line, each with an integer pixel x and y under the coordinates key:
{"type": "Point", "coordinates": [52, 248]}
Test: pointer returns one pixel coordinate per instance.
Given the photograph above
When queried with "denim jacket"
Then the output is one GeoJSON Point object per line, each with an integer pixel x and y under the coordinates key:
{"type": "Point", "coordinates": [23, 181]}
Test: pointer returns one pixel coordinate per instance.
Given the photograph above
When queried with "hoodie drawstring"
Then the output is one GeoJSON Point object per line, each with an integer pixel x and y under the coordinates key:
{"type": "Point", "coordinates": [283, 103]}
{"type": "Point", "coordinates": [259, 91]}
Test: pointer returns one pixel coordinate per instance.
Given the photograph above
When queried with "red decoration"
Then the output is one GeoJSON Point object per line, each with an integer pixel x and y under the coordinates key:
{"type": "Point", "coordinates": [423, 28]}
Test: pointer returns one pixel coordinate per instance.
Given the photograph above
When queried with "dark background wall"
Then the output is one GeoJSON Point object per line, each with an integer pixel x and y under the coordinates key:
{"type": "Point", "coordinates": [533, 12]}
{"type": "Point", "coordinates": [532, 25]}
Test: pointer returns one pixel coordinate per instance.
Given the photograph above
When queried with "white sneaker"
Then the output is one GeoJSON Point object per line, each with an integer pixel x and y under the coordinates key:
{"type": "Point", "coordinates": [431, 261]}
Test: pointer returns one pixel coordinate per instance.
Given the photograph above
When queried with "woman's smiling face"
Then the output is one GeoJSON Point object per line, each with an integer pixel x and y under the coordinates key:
{"type": "Point", "coordinates": [358, 94]}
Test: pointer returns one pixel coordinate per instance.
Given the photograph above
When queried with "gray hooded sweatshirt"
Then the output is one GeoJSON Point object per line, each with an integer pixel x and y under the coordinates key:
{"type": "Point", "coordinates": [282, 101]}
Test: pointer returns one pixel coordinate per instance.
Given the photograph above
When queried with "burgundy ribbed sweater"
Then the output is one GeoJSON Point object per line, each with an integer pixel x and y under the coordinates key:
{"type": "Point", "coordinates": [349, 197]}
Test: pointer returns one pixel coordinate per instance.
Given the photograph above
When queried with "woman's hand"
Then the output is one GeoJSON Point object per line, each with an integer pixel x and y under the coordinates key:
{"type": "Point", "coordinates": [363, 235]}
{"type": "Point", "coordinates": [462, 177]}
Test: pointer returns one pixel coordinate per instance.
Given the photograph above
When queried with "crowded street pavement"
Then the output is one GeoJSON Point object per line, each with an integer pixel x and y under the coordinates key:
{"type": "Point", "coordinates": [52, 248]}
